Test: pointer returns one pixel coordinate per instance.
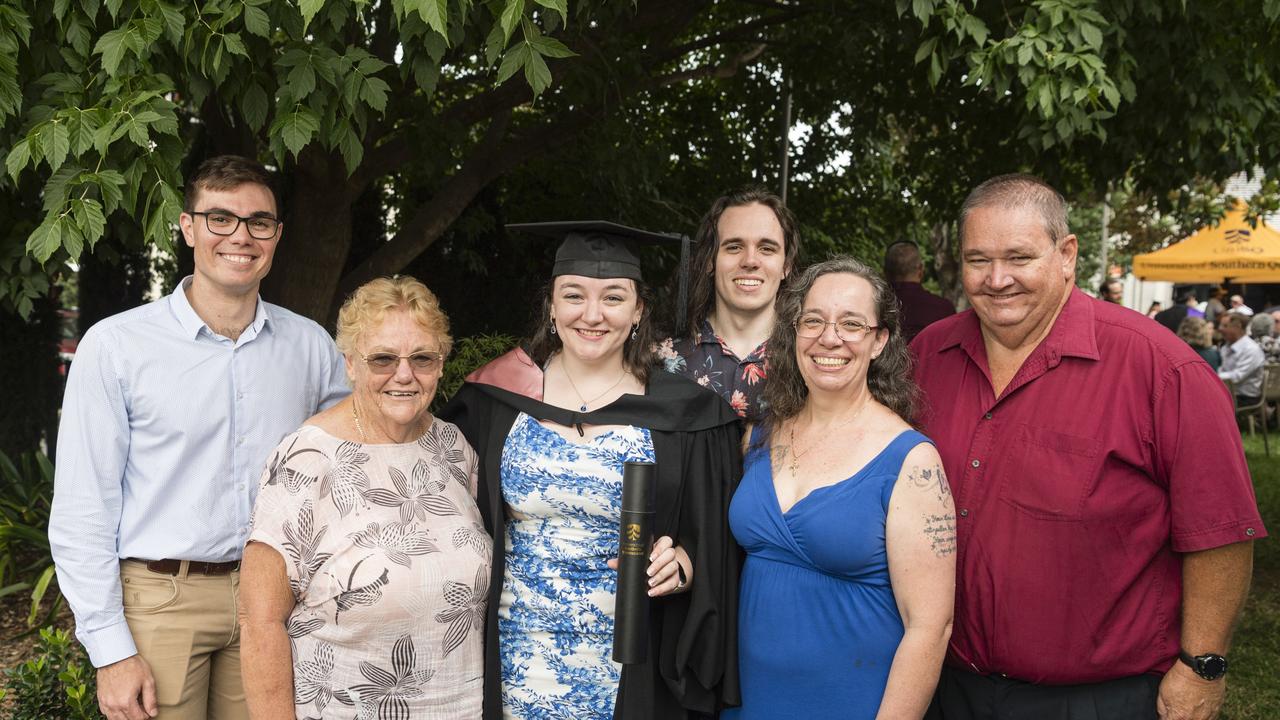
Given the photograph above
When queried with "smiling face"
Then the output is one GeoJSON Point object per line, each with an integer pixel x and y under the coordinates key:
{"type": "Point", "coordinates": [750, 262]}
{"type": "Point", "coordinates": [829, 363]}
{"type": "Point", "coordinates": [594, 316]}
{"type": "Point", "coordinates": [1016, 278]}
{"type": "Point", "coordinates": [235, 264]}
{"type": "Point", "coordinates": [398, 400]}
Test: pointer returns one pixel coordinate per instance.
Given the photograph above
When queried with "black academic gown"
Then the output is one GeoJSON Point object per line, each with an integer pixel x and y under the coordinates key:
{"type": "Point", "coordinates": [693, 651]}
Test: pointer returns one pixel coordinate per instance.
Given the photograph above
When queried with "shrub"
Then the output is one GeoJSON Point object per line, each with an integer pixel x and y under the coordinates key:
{"type": "Point", "coordinates": [469, 353]}
{"type": "Point", "coordinates": [57, 683]}
{"type": "Point", "coordinates": [26, 494]}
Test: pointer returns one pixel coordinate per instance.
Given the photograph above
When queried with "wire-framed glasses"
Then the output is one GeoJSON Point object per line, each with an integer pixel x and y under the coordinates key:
{"type": "Point", "coordinates": [385, 363]}
{"type": "Point", "coordinates": [848, 329]}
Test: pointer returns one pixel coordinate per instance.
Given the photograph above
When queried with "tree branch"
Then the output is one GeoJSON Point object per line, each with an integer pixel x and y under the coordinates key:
{"type": "Point", "coordinates": [725, 70]}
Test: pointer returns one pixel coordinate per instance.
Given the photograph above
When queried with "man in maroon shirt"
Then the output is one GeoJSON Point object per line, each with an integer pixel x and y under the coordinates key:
{"type": "Point", "coordinates": [905, 271]}
{"type": "Point", "coordinates": [1104, 511]}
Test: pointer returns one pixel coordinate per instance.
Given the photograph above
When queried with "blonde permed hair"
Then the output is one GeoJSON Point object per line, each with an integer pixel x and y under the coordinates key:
{"type": "Point", "coordinates": [371, 302]}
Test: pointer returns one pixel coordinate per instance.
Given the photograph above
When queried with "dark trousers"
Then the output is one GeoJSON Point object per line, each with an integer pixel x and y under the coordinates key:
{"type": "Point", "coordinates": [968, 696]}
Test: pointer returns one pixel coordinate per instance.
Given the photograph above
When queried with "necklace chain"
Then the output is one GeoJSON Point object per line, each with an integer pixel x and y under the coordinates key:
{"type": "Point", "coordinates": [586, 402]}
{"type": "Point", "coordinates": [355, 415]}
{"type": "Point", "coordinates": [795, 456]}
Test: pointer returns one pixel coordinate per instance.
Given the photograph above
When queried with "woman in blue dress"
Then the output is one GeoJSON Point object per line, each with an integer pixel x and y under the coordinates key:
{"type": "Point", "coordinates": [845, 514]}
{"type": "Point", "coordinates": [553, 426]}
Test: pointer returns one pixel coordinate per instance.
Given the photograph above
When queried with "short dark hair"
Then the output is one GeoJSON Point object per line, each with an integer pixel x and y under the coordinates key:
{"type": "Point", "coordinates": [1020, 190]}
{"type": "Point", "coordinates": [227, 172]}
{"type": "Point", "coordinates": [1107, 283]}
{"type": "Point", "coordinates": [1239, 321]}
{"type": "Point", "coordinates": [901, 260]}
{"type": "Point", "coordinates": [889, 376]}
{"type": "Point", "coordinates": [702, 287]}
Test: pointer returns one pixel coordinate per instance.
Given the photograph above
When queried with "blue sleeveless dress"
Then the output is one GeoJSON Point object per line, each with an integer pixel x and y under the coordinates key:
{"type": "Point", "coordinates": [817, 622]}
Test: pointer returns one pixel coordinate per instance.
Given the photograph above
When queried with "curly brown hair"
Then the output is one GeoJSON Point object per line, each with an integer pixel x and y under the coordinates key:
{"type": "Point", "coordinates": [889, 375]}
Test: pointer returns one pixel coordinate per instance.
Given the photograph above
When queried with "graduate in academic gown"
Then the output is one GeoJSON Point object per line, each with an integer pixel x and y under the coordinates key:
{"type": "Point", "coordinates": [586, 370]}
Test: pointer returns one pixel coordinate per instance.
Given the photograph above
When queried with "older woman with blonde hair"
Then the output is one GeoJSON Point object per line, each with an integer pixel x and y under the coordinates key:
{"type": "Point", "coordinates": [365, 577]}
{"type": "Point", "coordinates": [1198, 333]}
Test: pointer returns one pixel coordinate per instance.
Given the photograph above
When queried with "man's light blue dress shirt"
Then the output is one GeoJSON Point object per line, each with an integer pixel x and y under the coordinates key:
{"type": "Point", "coordinates": [165, 430]}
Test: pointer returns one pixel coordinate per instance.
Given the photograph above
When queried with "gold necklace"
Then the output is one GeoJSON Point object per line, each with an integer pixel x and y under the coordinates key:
{"type": "Point", "coordinates": [795, 456]}
{"type": "Point", "coordinates": [355, 415]}
{"type": "Point", "coordinates": [585, 402]}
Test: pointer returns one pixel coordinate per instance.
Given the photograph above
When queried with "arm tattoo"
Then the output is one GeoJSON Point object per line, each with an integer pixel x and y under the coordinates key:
{"type": "Point", "coordinates": [932, 479]}
{"type": "Point", "coordinates": [941, 531]}
{"type": "Point", "coordinates": [778, 457]}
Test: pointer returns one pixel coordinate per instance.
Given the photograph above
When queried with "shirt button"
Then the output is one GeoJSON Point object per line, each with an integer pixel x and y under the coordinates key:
{"type": "Point", "coordinates": [975, 463]}
{"type": "Point", "coordinates": [241, 442]}
{"type": "Point", "coordinates": [987, 416]}
{"type": "Point", "coordinates": [964, 512]}
{"type": "Point", "coordinates": [1249, 531]}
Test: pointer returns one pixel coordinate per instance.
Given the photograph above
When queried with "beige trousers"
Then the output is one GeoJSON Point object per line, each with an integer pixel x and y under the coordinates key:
{"type": "Point", "coordinates": [186, 629]}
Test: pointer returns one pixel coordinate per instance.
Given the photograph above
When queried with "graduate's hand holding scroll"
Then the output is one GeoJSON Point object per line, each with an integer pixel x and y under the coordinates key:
{"type": "Point", "coordinates": [666, 560]}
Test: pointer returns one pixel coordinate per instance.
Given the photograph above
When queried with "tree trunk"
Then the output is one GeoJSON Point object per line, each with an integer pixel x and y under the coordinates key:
{"type": "Point", "coordinates": [29, 379]}
{"type": "Point", "coordinates": [946, 263]}
{"type": "Point", "coordinates": [316, 238]}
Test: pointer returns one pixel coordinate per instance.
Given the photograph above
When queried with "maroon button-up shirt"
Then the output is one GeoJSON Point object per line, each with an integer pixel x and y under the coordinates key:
{"type": "Point", "coordinates": [1112, 450]}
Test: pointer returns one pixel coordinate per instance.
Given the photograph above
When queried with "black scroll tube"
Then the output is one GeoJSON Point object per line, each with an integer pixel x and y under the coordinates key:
{"type": "Point", "coordinates": [635, 536]}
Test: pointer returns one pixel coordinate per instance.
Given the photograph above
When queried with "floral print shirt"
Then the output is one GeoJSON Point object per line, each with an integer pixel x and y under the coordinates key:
{"type": "Point", "coordinates": [389, 567]}
{"type": "Point", "coordinates": [708, 361]}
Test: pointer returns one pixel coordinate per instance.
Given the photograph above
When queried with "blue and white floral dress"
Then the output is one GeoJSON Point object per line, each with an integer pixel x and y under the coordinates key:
{"type": "Point", "coordinates": [555, 618]}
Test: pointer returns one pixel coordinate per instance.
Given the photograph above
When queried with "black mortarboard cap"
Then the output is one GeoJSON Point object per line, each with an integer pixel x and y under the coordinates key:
{"type": "Point", "coordinates": [595, 248]}
{"type": "Point", "coordinates": [601, 249]}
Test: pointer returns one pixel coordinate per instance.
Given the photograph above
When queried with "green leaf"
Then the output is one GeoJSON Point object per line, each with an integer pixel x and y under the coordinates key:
{"type": "Point", "coordinates": [1092, 35]}
{"type": "Point", "coordinates": [515, 59]}
{"type": "Point", "coordinates": [426, 74]}
{"type": "Point", "coordinates": [235, 45]}
{"type": "Point", "coordinates": [88, 214]}
{"type": "Point", "coordinates": [435, 13]}
{"type": "Point", "coordinates": [374, 93]}
{"type": "Point", "coordinates": [301, 81]}
{"type": "Point", "coordinates": [537, 73]}
{"type": "Point", "coordinates": [309, 10]}
{"type": "Point", "coordinates": [82, 125]}
{"type": "Point", "coordinates": [112, 185]}
{"type": "Point", "coordinates": [253, 106]}
{"type": "Point", "coordinates": [17, 158]}
{"type": "Point", "coordinates": [351, 147]}
{"type": "Point", "coordinates": [296, 128]}
{"type": "Point", "coordinates": [58, 144]}
{"type": "Point", "coordinates": [257, 21]}
{"type": "Point", "coordinates": [174, 23]}
{"type": "Point", "coordinates": [493, 44]}
{"type": "Point", "coordinates": [112, 48]}
{"type": "Point", "coordinates": [925, 49]}
{"type": "Point", "coordinates": [550, 47]}
{"type": "Point", "coordinates": [512, 14]}
{"type": "Point", "coordinates": [560, 6]}
{"type": "Point", "coordinates": [46, 239]}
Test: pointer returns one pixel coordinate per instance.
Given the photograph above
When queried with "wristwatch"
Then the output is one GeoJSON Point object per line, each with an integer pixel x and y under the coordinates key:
{"type": "Point", "coordinates": [1208, 666]}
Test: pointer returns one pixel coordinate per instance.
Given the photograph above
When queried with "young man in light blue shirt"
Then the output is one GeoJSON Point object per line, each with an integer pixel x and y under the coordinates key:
{"type": "Point", "coordinates": [170, 412]}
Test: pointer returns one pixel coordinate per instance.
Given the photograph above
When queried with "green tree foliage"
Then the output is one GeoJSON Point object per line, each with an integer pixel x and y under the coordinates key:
{"type": "Point", "coordinates": [644, 109]}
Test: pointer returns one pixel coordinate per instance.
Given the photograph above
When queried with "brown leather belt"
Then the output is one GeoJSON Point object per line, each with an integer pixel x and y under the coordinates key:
{"type": "Point", "coordinates": [194, 567]}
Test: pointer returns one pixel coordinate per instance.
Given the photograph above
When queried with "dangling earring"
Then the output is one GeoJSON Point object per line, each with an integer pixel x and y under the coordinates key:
{"type": "Point", "coordinates": [635, 330]}
{"type": "Point", "coordinates": [553, 326]}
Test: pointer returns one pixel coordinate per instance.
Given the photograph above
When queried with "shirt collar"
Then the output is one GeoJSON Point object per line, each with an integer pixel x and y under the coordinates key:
{"type": "Point", "coordinates": [1073, 333]}
{"type": "Point", "coordinates": [190, 320]}
{"type": "Point", "coordinates": [707, 336]}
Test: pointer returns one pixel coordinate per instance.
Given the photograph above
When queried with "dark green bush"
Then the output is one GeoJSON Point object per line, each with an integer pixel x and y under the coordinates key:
{"type": "Point", "coordinates": [468, 354]}
{"type": "Point", "coordinates": [57, 683]}
{"type": "Point", "coordinates": [26, 494]}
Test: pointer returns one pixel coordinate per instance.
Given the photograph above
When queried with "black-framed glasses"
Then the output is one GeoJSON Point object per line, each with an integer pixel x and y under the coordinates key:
{"type": "Point", "coordinates": [848, 330]}
{"type": "Point", "coordinates": [260, 227]}
{"type": "Point", "coordinates": [385, 363]}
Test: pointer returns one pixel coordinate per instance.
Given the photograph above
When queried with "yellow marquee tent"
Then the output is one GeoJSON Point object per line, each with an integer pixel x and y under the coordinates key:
{"type": "Point", "coordinates": [1231, 252]}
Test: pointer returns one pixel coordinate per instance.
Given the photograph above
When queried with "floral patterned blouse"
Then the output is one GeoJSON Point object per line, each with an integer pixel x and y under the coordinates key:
{"type": "Point", "coordinates": [389, 566]}
{"type": "Point", "coordinates": [708, 361]}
